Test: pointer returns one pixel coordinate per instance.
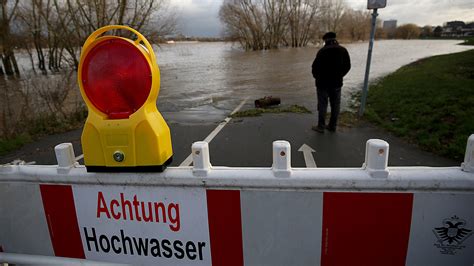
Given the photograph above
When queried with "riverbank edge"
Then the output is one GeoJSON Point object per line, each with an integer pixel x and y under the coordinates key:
{"type": "Point", "coordinates": [469, 41]}
{"type": "Point", "coordinates": [428, 103]}
{"type": "Point", "coordinates": [45, 126]}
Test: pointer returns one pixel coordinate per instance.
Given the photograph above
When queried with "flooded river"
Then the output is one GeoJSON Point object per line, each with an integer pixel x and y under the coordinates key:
{"type": "Point", "coordinates": [203, 82]}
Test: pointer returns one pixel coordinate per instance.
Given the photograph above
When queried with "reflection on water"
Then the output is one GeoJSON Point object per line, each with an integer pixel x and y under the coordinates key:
{"type": "Point", "coordinates": [205, 81]}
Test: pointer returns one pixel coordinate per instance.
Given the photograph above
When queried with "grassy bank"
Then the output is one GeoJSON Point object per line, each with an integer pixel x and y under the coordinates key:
{"type": "Point", "coordinates": [280, 109]}
{"type": "Point", "coordinates": [43, 126]}
{"type": "Point", "coordinates": [469, 41]}
{"type": "Point", "coordinates": [37, 105]}
{"type": "Point", "coordinates": [429, 102]}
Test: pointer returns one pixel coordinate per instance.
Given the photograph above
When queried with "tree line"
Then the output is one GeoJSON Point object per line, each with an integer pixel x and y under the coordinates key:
{"type": "Point", "coordinates": [405, 31]}
{"type": "Point", "coordinates": [53, 31]}
{"type": "Point", "coordinates": [412, 31]}
{"type": "Point", "coordinates": [269, 24]}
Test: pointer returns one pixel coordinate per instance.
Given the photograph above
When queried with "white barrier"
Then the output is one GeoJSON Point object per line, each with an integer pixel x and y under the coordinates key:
{"type": "Point", "coordinates": [468, 164]}
{"type": "Point", "coordinates": [47, 260]}
{"type": "Point", "coordinates": [373, 215]}
{"type": "Point", "coordinates": [65, 155]}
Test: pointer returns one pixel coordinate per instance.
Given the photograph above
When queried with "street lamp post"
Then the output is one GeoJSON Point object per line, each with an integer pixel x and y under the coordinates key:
{"type": "Point", "coordinates": [375, 5]}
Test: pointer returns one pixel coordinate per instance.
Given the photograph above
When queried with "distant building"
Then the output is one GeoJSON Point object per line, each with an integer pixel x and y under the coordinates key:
{"type": "Point", "coordinates": [390, 24]}
{"type": "Point", "coordinates": [457, 29]}
{"type": "Point", "coordinates": [455, 24]}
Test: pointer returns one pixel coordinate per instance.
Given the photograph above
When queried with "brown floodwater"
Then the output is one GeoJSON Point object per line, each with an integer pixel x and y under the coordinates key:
{"type": "Point", "coordinates": [204, 82]}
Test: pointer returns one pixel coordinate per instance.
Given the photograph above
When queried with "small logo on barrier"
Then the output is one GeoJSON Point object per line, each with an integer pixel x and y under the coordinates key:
{"type": "Point", "coordinates": [451, 235]}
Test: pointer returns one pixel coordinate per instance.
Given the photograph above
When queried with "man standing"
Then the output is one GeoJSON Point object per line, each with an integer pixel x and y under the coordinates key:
{"type": "Point", "coordinates": [329, 67]}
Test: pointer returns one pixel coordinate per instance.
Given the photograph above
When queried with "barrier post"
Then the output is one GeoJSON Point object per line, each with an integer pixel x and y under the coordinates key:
{"type": "Point", "coordinates": [281, 158]}
{"type": "Point", "coordinates": [201, 161]}
{"type": "Point", "coordinates": [468, 164]}
{"type": "Point", "coordinates": [65, 155]}
{"type": "Point", "coordinates": [376, 158]}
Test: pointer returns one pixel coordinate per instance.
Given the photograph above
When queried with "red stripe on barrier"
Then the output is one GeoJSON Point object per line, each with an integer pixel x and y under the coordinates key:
{"type": "Point", "coordinates": [225, 227]}
{"type": "Point", "coordinates": [58, 202]}
{"type": "Point", "coordinates": [366, 228]}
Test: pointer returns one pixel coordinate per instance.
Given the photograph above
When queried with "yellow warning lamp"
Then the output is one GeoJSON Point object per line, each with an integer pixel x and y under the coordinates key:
{"type": "Point", "coordinates": [120, 81]}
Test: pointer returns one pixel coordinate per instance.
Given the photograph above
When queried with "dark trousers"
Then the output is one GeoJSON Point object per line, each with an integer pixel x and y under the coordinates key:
{"type": "Point", "coordinates": [334, 96]}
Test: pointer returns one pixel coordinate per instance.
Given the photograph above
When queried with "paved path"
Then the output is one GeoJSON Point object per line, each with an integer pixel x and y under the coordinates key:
{"type": "Point", "coordinates": [248, 142]}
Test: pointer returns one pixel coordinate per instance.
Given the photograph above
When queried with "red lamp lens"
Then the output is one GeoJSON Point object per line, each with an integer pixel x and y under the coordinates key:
{"type": "Point", "coordinates": [116, 78]}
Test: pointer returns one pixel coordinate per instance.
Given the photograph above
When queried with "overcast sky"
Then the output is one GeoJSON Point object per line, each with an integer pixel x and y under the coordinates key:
{"type": "Point", "coordinates": [200, 17]}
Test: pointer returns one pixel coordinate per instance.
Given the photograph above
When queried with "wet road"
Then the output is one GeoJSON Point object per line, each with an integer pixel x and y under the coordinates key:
{"type": "Point", "coordinates": [247, 142]}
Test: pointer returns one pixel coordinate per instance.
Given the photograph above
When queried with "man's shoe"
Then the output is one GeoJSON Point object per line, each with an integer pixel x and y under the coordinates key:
{"type": "Point", "coordinates": [331, 129]}
{"type": "Point", "coordinates": [319, 129]}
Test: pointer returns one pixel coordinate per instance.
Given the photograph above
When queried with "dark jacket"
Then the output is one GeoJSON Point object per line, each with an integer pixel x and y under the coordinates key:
{"type": "Point", "coordinates": [330, 65]}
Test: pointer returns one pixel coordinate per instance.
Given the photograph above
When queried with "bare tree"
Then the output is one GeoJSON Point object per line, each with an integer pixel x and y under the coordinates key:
{"type": "Point", "coordinates": [151, 17]}
{"type": "Point", "coordinates": [274, 11]}
{"type": "Point", "coordinates": [302, 16]}
{"type": "Point", "coordinates": [59, 27]}
{"type": "Point", "coordinates": [8, 57]}
{"type": "Point", "coordinates": [244, 22]}
{"type": "Point", "coordinates": [408, 31]}
{"type": "Point", "coordinates": [29, 15]}
{"type": "Point", "coordinates": [355, 25]}
{"type": "Point", "coordinates": [331, 15]}
{"type": "Point", "coordinates": [426, 31]}
{"type": "Point", "coordinates": [267, 24]}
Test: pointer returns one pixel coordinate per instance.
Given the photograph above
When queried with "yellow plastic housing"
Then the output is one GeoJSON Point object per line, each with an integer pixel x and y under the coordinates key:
{"type": "Point", "coordinates": [143, 139]}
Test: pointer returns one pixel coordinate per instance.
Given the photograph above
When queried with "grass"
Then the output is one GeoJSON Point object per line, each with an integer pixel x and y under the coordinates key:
{"type": "Point", "coordinates": [40, 127]}
{"type": "Point", "coordinates": [469, 41]}
{"type": "Point", "coordinates": [7, 145]}
{"type": "Point", "coordinates": [429, 102]}
{"type": "Point", "coordinates": [283, 109]}
{"type": "Point", "coordinates": [346, 119]}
